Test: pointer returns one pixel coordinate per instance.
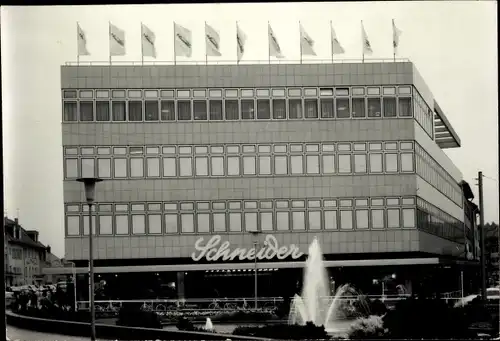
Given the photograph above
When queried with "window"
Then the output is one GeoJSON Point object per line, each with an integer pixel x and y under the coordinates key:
{"type": "Point", "coordinates": [234, 222]}
{"type": "Point", "coordinates": [231, 93]}
{"type": "Point", "coordinates": [298, 221]}
{"type": "Point", "coordinates": [200, 110]}
{"type": "Point", "coordinates": [342, 91]}
{"type": "Point", "coordinates": [343, 108]}
{"type": "Point", "coordinates": [345, 203]}
{"type": "Point", "coordinates": [279, 109]}
{"type": "Point", "coordinates": [310, 92]}
{"type": "Point", "coordinates": [184, 110]}
{"type": "Point", "coordinates": [120, 168]}
{"type": "Point", "coordinates": [169, 168]}
{"type": "Point", "coordinates": [314, 220]}
{"type": "Point", "coordinates": [233, 165]}
{"type": "Point", "coordinates": [374, 107]}
{"type": "Point", "coordinates": [393, 218]}
{"type": "Point", "coordinates": [377, 219]}
{"type": "Point", "coordinates": [154, 224]}
{"type": "Point", "coordinates": [375, 163]}
{"type": "Point", "coordinates": [408, 217]}
{"type": "Point", "coordinates": [389, 107]}
{"type": "Point", "coordinates": [404, 106]}
{"type": "Point", "coordinates": [294, 92]}
{"type": "Point", "coordinates": [373, 91]}
{"type": "Point", "coordinates": [407, 162]}
{"type": "Point", "coordinates": [406, 145]}
{"type": "Point", "coordinates": [86, 225]}
{"type": "Point", "coordinates": [153, 167]}
{"type": "Point", "coordinates": [135, 111]}
{"type": "Point", "coordinates": [247, 109]}
{"type": "Point", "coordinates": [215, 110]}
{"type": "Point", "coordinates": [86, 111]}
{"type": "Point", "coordinates": [88, 170]}
{"type": "Point", "coordinates": [311, 108]}
{"type": "Point", "coordinates": [183, 93]}
{"type": "Point", "coordinates": [232, 112]}
{"type": "Point", "coordinates": [135, 93]}
{"type": "Point", "coordinates": [263, 109]}
{"type": "Point", "coordinates": [346, 220]}
{"type": "Point", "coordinates": [327, 108]}
{"type": "Point", "coordinates": [262, 92]}
{"type": "Point", "coordinates": [219, 221]}
{"type": "Point", "coordinates": [392, 201]}
{"type": "Point", "coordinates": [136, 167]}
{"type": "Point", "coordinates": [264, 165]}
{"type": "Point", "coordinates": [312, 164]}
{"type": "Point", "coordinates": [361, 219]}
{"type": "Point", "coordinates": [150, 93]}
{"type": "Point", "coordinates": [167, 110]}
{"type": "Point", "coordinates": [344, 163]}
{"type": "Point", "coordinates": [199, 93]}
{"type": "Point", "coordinates": [215, 93]}
{"type": "Point", "coordinates": [282, 221]}
{"type": "Point", "coordinates": [185, 166]}
{"type": "Point", "coordinates": [187, 223]}
{"type": "Point", "coordinates": [151, 109]}
{"type": "Point", "coordinates": [118, 94]}
{"type": "Point", "coordinates": [391, 146]}
{"type": "Point", "coordinates": [359, 163]}
{"type": "Point", "coordinates": [71, 168]}
{"type": "Point", "coordinates": [217, 163]}
{"type": "Point", "coordinates": [105, 225]}
{"type": "Point", "coordinates": [408, 201]}
{"type": "Point", "coordinates": [118, 108]}
{"type": "Point", "coordinates": [104, 168]}
{"type": "Point", "coordinates": [203, 222]}
{"type": "Point", "coordinates": [73, 225]}
{"type": "Point", "coordinates": [358, 107]}
{"type": "Point", "coordinates": [280, 165]}
{"type": "Point", "coordinates": [296, 165]}
{"type": "Point", "coordinates": [249, 165]}
{"type": "Point", "coordinates": [404, 90]}
{"type": "Point", "coordinates": [87, 150]}
{"type": "Point", "coordinates": [201, 164]}
{"type": "Point", "coordinates": [391, 163]}
{"type": "Point", "coordinates": [69, 94]}
{"type": "Point", "coordinates": [70, 112]}
{"type": "Point", "coordinates": [296, 148]}
{"type": "Point", "coordinates": [266, 221]}
{"type": "Point", "coordinates": [171, 224]}
{"type": "Point", "coordinates": [328, 164]}
{"type": "Point", "coordinates": [185, 150]}
{"type": "Point", "coordinates": [251, 221]}
{"type": "Point", "coordinates": [295, 108]}
{"type": "Point", "coordinates": [389, 91]}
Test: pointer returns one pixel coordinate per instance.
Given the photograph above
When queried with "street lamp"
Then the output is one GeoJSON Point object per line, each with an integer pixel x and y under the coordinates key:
{"type": "Point", "coordinates": [255, 234]}
{"type": "Point", "coordinates": [89, 185]}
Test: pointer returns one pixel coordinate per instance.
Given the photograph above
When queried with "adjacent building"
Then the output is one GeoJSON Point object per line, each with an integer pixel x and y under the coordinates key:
{"type": "Point", "coordinates": [196, 157]}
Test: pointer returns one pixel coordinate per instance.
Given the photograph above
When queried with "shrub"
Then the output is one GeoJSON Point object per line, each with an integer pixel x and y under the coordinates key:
{"type": "Point", "coordinates": [371, 327]}
{"type": "Point", "coordinates": [132, 316]}
{"type": "Point", "coordinates": [185, 324]}
{"type": "Point", "coordinates": [425, 318]}
{"type": "Point", "coordinates": [285, 332]}
{"type": "Point", "coordinates": [242, 315]}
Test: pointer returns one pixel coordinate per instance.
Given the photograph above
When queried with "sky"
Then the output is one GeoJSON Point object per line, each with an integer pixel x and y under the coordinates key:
{"type": "Point", "coordinates": [453, 45]}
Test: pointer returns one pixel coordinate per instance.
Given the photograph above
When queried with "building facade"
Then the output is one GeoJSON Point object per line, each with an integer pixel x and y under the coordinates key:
{"type": "Point", "coordinates": [195, 158]}
{"type": "Point", "coordinates": [25, 256]}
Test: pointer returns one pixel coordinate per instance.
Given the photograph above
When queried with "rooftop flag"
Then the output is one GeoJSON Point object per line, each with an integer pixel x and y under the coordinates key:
{"type": "Point", "coordinates": [116, 41]}
{"type": "Point", "coordinates": [395, 37]}
{"type": "Point", "coordinates": [82, 41]}
{"type": "Point", "coordinates": [183, 41]}
{"type": "Point", "coordinates": [367, 48]}
{"type": "Point", "coordinates": [212, 40]}
{"type": "Point", "coordinates": [306, 43]}
{"type": "Point", "coordinates": [274, 46]}
{"type": "Point", "coordinates": [148, 42]}
{"type": "Point", "coordinates": [241, 39]}
{"type": "Point", "coordinates": [336, 47]}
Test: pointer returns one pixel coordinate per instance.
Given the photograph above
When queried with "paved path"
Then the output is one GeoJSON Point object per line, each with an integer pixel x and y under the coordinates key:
{"type": "Point", "coordinates": [17, 334]}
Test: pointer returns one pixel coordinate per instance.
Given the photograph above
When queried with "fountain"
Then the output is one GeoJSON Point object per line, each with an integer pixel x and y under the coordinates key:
{"type": "Point", "coordinates": [315, 304]}
{"type": "Point", "coordinates": [209, 325]}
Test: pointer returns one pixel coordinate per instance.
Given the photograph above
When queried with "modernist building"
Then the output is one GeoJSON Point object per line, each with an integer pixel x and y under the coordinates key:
{"type": "Point", "coordinates": [195, 158]}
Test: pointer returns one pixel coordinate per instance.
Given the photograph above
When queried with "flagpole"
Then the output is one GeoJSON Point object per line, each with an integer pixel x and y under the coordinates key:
{"type": "Point", "coordinates": [206, 54]}
{"type": "Point", "coordinates": [300, 32]}
{"type": "Point", "coordinates": [237, 46]}
{"type": "Point", "coordinates": [109, 37]}
{"type": "Point", "coordinates": [362, 43]}
{"type": "Point", "coordinates": [142, 45]}
{"type": "Point", "coordinates": [331, 38]}
{"type": "Point", "coordinates": [77, 44]}
{"type": "Point", "coordinates": [175, 50]}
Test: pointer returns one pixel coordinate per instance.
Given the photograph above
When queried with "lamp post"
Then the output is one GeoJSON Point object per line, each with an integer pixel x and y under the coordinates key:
{"type": "Point", "coordinates": [255, 234]}
{"type": "Point", "coordinates": [89, 185]}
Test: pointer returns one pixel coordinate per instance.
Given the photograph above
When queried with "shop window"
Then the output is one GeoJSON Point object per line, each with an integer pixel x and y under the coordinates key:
{"type": "Point", "coordinates": [69, 93]}
{"type": "Point", "coordinates": [296, 92]}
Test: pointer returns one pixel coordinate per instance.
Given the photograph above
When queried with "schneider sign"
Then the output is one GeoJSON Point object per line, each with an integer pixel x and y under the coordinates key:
{"type": "Point", "coordinates": [214, 250]}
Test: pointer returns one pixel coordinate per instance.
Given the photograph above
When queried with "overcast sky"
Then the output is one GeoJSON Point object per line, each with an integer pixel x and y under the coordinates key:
{"type": "Point", "coordinates": [453, 44]}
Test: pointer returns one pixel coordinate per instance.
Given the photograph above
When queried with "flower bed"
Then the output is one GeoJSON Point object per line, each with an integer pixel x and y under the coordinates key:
{"type": "Point", "coordinates": [219, 316]}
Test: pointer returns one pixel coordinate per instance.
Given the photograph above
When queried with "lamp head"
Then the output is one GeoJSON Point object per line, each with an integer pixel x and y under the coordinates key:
{"type": "Point", "coordinates": [89, 185]}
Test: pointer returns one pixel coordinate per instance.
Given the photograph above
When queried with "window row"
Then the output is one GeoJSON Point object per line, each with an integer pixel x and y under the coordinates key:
{"type": "Point", "coordinates": [220, 166]}
{"type": "Point", "coordinates": [437, 226]}
{"type": "Point", "coordinates": [279, 148]}
{"type": "Point", "coordinates": [435, 175]}
{"type": "Point", "coordinates": [423, 114]}
{"type": "Point", "coordinates": [234, 109]}
{"type": "Point", "coordinates": [240, 204]}
{"type": "Point", "coordinates": [238, 93]}
{"type": "Point", "coordinates": [220, 222]}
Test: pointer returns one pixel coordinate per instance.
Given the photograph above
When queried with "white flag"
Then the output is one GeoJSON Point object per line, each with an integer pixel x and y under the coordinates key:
{"type": "Point", "coordinates": [241, 39]}
{"type": "Point", "coordinates": [116, 41]}
{"type": "Point", "coordinates": [183, 42]}
{"type": "Point", "coordinates": [212, 40]}
{"type": "Point", "coordinates": [306, 43]}
{"type": "Point", "coordinates": [367, 48]}
{"type": "Point", "coordinates": [148, 42]}
{"type": "Point", "coordinates": [82, 42]}
{"type": "Point", "coordinates": [336, 47]}
{"type": "Point", "coordinates": [274, 46]}
{"type": "Point", "coordinates": [395, 37]}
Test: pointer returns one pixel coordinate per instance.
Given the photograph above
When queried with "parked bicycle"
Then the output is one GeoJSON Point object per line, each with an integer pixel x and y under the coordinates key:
{"type": "Point", "coordinates": [218, 305]}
